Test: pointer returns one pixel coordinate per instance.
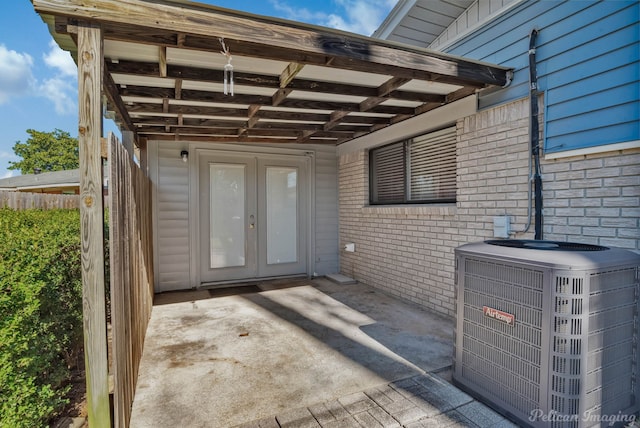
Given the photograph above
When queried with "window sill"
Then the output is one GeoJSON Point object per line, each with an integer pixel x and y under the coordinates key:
{"type": "Point", "coordinates": [432, 209]}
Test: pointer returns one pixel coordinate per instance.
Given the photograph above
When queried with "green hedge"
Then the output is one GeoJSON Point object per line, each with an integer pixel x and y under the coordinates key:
{"type": "Point", "coordinates": [40, 313]}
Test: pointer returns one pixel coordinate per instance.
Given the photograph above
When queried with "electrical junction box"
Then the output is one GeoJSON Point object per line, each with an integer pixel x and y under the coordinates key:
{"type": "Point", "coordinates": [501, 226]}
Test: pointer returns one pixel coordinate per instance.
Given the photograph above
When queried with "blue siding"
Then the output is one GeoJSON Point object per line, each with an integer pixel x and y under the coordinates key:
{"type": "Point", "coordinates": [588, 55]}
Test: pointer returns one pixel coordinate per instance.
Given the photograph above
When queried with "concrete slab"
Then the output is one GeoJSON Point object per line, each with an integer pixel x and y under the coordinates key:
{"type": "Point", "coordinates": [217, 360]}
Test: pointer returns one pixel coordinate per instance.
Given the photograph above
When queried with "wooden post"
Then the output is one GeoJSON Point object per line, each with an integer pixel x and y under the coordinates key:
{"type": "Point", "coordinates": [127, 142]}
{"type": "Point", "coordinates": [90, 60]}
{"type": "Point", "coordinates": [142, 144]}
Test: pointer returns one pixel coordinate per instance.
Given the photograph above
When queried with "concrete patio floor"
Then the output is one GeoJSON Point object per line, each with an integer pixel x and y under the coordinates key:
{"type": "Point", "coordinates": [216, 358]}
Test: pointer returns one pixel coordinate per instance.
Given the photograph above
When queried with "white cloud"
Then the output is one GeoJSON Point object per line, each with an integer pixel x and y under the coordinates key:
{"type": "Point", "coordinates": [299, 14]}
{"type": "Point", "coordinates": [60, 60]}
{"type": "Point", "coordinates": [61, 88]}
{"type": "Point", "coordinates": [16, 77]}
{"type": "Point", "coordinates": [356, 16]}
{"type": "Point", "coordinates": [362, 16]}
{"type": "Point", "coordinates": [61, 92]}
{"type": "Point", "coordinates": [8, 174]}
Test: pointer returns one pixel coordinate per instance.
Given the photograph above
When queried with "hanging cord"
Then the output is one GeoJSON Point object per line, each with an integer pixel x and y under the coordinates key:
{"type": "Point", "coordinates": [534, 179]}
{"type": "Point", "coordinates": [228, 70]}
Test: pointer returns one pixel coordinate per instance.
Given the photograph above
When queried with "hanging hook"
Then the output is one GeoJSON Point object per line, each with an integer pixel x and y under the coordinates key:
{"type": "Point", "coordinates": [228, 69]}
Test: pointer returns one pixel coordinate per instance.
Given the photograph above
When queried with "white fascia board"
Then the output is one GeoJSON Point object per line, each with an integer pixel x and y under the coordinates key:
{"type": "Point", "coordinates": [392, 20]}
{"type": "Point", "coordinates": [429, 121]}
{"type": "Point", "coordinates": [628, 145]}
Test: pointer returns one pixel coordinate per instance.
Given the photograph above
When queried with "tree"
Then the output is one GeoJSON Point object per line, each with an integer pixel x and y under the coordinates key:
{"type": "Point", "coordinates": [46, 151]}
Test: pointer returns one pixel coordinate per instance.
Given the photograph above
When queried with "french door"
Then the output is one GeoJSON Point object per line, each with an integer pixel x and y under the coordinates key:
{"type": "Point", "coordinates": [253, 216]}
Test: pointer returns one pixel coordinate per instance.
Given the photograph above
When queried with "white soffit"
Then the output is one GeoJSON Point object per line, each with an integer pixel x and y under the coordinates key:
{"type": "Point", "coordinates": [218, 87]}
{"type": "Point", "coordinates": [217, 61]}
{"type": "Point", "coordinates": [118, 51]}
{"type": "Point", "coordinates": [132, 79]}
{"type": "Point", "coordinates": [319, 96]}
{"type": "Point", "coordinates": [401, 103]}
{"type": "Point", "coordinates": [312, 72]}
{"type": "Point", "coordinates": [429, 87]}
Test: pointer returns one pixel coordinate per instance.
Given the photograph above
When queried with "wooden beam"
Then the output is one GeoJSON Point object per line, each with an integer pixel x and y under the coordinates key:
{"type": "Point", "coordinates": [162, 62]}
{"type": "Point", "coordinates": [90, 62]}
{"type": "Point", "coordinates": [178, 89]}
{"type": "Point", "coordinates": [252, 115]}
{"type": "Point", "coordinates": [391, 85]}
{"type": "Point", "coordinates": [290, 73]}
{"type": "Point", "coordinates": [279, 96]}
{"type": "Point", "coordinates": [274, 38]}
{"type": "Point", "coordinates": [253, 120]}
{"type": "Point", "coordinates": [111, 91]}
{"type": "Point", "coordinates": [383, 93]}
{"type": "Point", "coordinates": [304, 137]}
{"type": "Point", "coordinates": [180, 39]}
{"type": "Point", "coordinates": [336, 118]}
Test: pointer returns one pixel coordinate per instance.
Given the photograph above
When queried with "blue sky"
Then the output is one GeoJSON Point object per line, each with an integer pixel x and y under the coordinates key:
{"type": "Point", "coordinates": [38, 82]}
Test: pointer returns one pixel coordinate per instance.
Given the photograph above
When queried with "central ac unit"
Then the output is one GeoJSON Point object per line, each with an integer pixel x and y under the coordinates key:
{"type": "Point", "coordinates": [547, 332]}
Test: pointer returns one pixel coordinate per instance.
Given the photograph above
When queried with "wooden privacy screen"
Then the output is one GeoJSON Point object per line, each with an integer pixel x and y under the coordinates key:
{"type": "Point", "coordinates": [131, 256]}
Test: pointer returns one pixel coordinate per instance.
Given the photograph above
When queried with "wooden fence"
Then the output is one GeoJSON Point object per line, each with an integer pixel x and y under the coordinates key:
{"type": "Point", "coordinates": [44, 201]}
{"type": "Point", "coordinates": [131, 256]}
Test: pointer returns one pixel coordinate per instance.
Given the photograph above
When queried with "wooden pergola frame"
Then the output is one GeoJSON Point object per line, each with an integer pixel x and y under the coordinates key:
{"type": "Point", "coordinates": [331, 87]}
{"type": "Point", "coordinates": [287, 105]}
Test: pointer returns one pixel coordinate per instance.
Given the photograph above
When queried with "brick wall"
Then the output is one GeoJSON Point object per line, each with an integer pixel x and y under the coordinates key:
{"type": "Point", "coordinates": [408, 250]}
{"type": "Point", "coordinates": [594, 199]}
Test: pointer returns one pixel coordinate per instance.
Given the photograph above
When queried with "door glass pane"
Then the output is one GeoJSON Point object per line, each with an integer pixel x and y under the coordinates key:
{"type": "Point", "coordinates": [282, 215]}
{"type": "Point", "coordinates": [227, 215]}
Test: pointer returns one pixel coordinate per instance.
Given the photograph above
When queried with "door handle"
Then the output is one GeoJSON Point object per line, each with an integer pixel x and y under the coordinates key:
{"type": "Point", "coordinates": [252, 223]}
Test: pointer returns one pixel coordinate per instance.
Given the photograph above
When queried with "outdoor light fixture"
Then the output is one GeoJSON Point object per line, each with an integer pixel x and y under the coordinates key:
{"type": "Point", "coordinates": [184, 155]}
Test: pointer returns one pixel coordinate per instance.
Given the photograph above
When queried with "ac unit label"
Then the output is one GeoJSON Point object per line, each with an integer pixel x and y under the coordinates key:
{"type": "Point", "coordinates": [506, 318]}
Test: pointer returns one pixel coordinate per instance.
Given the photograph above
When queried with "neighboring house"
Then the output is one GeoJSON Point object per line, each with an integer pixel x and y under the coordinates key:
{"type": "Point", "coordinates": [58, 182]}
{"type": "Point", "coordinates": [332, 138]}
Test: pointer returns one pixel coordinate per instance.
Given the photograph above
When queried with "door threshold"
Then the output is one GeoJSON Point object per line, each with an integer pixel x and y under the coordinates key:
{"type": "Point", "coordinates": [247, 282]}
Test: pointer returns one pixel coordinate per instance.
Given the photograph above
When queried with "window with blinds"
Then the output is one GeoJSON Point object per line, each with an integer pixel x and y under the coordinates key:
{"type": "Point", "coordinates": [418, 170]}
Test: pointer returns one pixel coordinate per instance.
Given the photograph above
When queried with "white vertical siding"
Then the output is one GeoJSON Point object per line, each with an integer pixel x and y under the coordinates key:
{"type": "Point", "coordinates": [326, 230]}
{"type": "Point", "coordinates": [172, 217]}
